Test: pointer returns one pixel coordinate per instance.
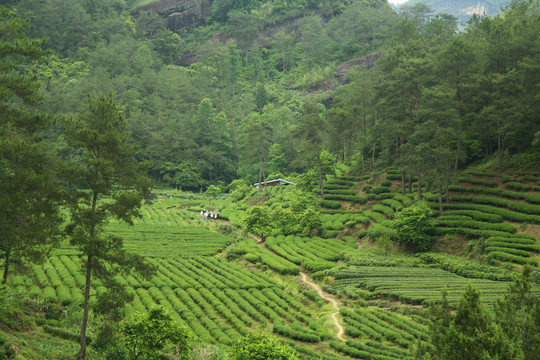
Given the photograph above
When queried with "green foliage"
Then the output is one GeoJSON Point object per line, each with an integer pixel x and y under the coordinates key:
{"type": "Point", "coordinates": [6, 351]}
{"type": "Point", "coordinates": [106, 160]}
{"type": "Point", "coordinates": [213, 191]}
{"type": "Point", "coordinates": [258, 221]}
{"type": "Point", "coordinates": [330, 204]}
{"type": "Point", "coordinates": [145, 335]}
{"type": "Point", "coordinates": [261, 347]}
{"type": "Point", "coordinates": [466, 268]}
{"type": "Point", "coordinates": [518, 314]}
{"type": "Point", "coordinates": [29, 207]}
{"type": "Point", "coordinates": [414, 226]}
{"type": "Point", "coordinates": [510, 334]}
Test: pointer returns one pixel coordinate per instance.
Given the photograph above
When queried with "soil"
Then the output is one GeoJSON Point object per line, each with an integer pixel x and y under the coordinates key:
{"type": "Point", "coordinates": [331, 299]}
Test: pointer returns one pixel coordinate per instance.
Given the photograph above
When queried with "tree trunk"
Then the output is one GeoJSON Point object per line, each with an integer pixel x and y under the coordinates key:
{"type": "Point", "coordinates": [410, 184]}
{"type": "Point", "coordinates": [358, 139]}
{"type": "Point", "coordinates": [82, 353]}
{"type": "Point", "coordinates": [373, 154]}
{"type": "Point", "coordinates": [446, 188]}
{"type": "Point", "coordinates": [321, 186]}
{"type": "Point", "coordinates": [419, 186]}
{"type": "Point", "coordinates": [264, 179]}
{"type": "Point", "coordinates": [403, 181]}
{"type": "Point", "coordinates": [499, 144]}
{"type": "Point", "coordinates": [6, 268]}
{"type": "Point", "coordinates": [260, 172]}
{"type": "Point", "coordinates": [440, 201]}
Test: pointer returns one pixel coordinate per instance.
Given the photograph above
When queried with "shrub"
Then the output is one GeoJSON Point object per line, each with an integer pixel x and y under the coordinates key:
{"type": "Point", "coordinates": [476, 215]}
{"type": "Point", "coordinates": [414, 226]}
{"type": "Point", "coordinates": [470, 180]}
{"type": "Point", "coordinates": [387, 211]}
{"type": "Point", "coordinates": [405, 200]}
{"type": "Point", "coordinates": [349, 198]}
{"type": "Point", "coordinates": [517, 252]}
{"type": "Point", "coordinates": [503, 256]}
{"type": "Point", "coordinates": [478, 225]}
{"type": "Point", "coordinates": [252, 258]}
{"type": "Point", "coordinates": [381, 189]}
{"type": "Point", "coordinates": [386, 183]}
{"type": "Point", "coordinates": [6, 351]}
{"type": "Point", "coordinates": [296, 334]}
{"type": "Point", "coordinates": [384, 196]}
{"type": "Point", "coordinates": [330, 204]}
{"type": "Point", "coordinates": [318, 265]}
{"type": "Point", "coordinates": [466, 268]}
{"type": "Point", "coordinates": [260, 346]}
{"type": "Point", "coordinates": [379, 230]}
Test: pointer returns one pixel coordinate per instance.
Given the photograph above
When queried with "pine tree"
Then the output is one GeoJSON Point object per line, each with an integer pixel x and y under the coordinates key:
{"type": "Point", "coordinates": [30, 192]}
{"type": "Point", "coordinates": [110, 185]}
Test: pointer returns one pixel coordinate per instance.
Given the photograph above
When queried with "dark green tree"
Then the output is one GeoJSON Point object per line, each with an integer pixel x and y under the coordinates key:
{"type": "Point", "coordinates": [29, 204]}
{"type": "Point", "coordinates": [518, 314]}
{"type": "Point", "coordinates": [110, 184]}
{"type": "Point", "coordinates": [469, 333]}
{"type": "Point", "coordinates": [146, 335]}
{"type": "Point", "coordinates": [311, 134]}
{"type": "Point", "coordinates": [258, 221]}
{"type": "Point", "coordinates": [261, 347]}
{"type": "Point", "coordinates": [414, 225]}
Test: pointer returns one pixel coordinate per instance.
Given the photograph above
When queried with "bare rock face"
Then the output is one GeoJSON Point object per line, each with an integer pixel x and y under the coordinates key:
{"type": "Point", "coordinates": [178, 14]}
{"type": "Point", "coordinates": [365, 62]}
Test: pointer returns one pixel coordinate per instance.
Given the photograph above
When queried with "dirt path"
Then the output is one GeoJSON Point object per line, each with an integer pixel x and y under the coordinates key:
{"type": "Point", "coordinates": [318, 289]}
{"type": "Point", "coordinates": [331, 299]}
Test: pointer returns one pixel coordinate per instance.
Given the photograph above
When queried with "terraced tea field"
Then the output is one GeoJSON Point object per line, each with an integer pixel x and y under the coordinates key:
{"type": "Point", "coordinates": [221, 300]}
{"type": "Point", "coordinates": [164, 230]}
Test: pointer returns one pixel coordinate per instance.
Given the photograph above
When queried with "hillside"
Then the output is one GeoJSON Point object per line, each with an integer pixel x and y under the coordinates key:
{"type": "Point", "coordinates": [222, 287]}
{"type": "Point", "coordinates": [411, 150]}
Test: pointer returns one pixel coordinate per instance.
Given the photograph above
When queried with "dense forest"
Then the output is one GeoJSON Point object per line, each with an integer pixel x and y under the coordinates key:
{"type": "Point", "coordinates": [103, 100]}
{"type": "Point", "coordinates": [194, 99]}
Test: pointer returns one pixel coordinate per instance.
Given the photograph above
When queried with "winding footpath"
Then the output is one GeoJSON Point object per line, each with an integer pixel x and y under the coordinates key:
{"type": "Point", "coordinates": [318, 289]}
{"type": "Point", "coordinates": [329, 298]}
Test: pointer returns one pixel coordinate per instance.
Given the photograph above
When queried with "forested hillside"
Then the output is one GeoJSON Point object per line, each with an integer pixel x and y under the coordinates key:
{"type": "Point", "coordinates": [132, 132]}
{"type": "Point", "coordinates": [194, 98]}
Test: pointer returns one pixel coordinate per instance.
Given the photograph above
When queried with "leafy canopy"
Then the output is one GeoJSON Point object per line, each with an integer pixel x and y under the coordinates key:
{"type": "Point", "coordinates": [414, 225]}
{"type": "Point", "coordinates": [261, 347]}
{"type": "Point", "coordinates": [145, 335]}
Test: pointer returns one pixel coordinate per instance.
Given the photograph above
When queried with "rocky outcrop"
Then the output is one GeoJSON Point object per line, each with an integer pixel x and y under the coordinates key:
{"type": "Point", "coordinates": [342, 70]}
{"type": "Point", "coordinates": [365, 62]}
{"type": "Point", "coordinates": [178, 14]}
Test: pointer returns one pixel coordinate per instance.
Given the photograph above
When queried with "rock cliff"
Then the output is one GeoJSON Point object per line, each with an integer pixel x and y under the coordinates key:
{"type": "Point", "coordinates": [178, 14]}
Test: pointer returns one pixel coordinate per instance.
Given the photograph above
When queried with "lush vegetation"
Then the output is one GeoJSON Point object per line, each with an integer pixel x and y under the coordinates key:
{"type": "Point", "coordinates": [130, 227]}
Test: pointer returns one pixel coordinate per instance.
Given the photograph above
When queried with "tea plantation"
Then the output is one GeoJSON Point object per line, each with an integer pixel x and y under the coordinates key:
{"type": "Point", "coordinates": [223, 284]}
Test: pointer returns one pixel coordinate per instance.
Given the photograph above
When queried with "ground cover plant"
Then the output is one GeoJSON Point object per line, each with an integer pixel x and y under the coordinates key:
{"type": "Point", "coordinates": [220, 302]}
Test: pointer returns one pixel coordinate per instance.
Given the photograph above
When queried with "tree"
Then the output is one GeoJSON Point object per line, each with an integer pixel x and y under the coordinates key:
{"type": "Point", "coordinates": [518, 314]}
{"type": "Point", "coordinates": [31, 191]}
{"type": "Point", "coordinates": [311, 134]}
{"type": "Point", "coordinates": [257, 140]}
{"type": "Point", "coordinates": [110, 184]}
{"type": "Point", "coordinates": [261, 347]}
{"type": "Point", "coordinates": [306, 210]}
{"type": "Point", "coordinates": [145, 335]}
{"type": "Point", "coordinates": [258, 221]}
{"type": "Point", "coordinates": [414, 225]}
{"type": "Point", "coordinates": [469, 333]}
